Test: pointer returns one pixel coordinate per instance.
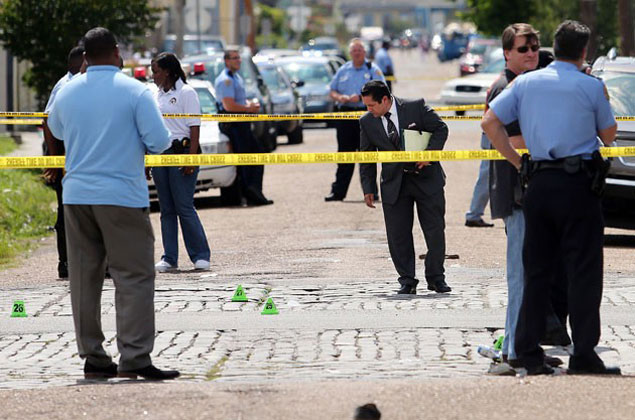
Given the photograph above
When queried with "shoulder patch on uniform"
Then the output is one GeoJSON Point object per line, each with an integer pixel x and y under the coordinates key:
{"type": "Point", "coordinates": [228, 82]}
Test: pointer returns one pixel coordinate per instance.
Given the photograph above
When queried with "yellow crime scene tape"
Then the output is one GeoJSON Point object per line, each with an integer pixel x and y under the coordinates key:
{"type": "Point", "coordinates": [295, 158]}
{"type": "Point", "coordinates": [36, 117]}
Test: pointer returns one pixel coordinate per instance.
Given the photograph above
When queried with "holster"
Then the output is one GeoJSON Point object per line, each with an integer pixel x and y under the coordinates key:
{"type": "Point", "coordinates": [599, 168]}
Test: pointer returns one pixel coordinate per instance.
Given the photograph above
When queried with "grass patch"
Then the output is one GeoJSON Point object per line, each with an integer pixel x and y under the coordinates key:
{"type": "Point", "coordinates": [7, 145]}
{"type": "Point", "coordinates": [214, 372]}
{"type": "Point", "coordinates": [26, 212]}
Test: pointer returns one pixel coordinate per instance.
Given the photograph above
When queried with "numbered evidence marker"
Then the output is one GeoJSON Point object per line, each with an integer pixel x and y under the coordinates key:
{"type": "Point", "coordinates": [18, 311]}
{"type": "Point", "coordinates": [270, 308]}
{"type": "Point", "coordinates": [239, 295]}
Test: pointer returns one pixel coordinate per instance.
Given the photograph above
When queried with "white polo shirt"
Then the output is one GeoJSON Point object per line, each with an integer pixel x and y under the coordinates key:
{"type": "Point", "coordinates": [182, 99]}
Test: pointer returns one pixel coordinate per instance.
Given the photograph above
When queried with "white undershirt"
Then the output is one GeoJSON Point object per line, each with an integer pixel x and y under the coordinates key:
{"type": "Point", "coordinates": [393, 116]}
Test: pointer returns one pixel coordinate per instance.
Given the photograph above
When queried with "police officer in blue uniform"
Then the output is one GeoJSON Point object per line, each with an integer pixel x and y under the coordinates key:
{"type": "Point", "coordinates": [231, 98]}
{"type": "Point", "coordinates": [384, 62]}
{"type": "Point", "coordinates": [346, 91]}
{"type": "Point", "coordinates": [562, 112]}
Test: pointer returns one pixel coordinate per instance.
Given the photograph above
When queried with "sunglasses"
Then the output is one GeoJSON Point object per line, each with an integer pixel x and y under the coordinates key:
{"type": "Point", "coordinates": [525, 48]}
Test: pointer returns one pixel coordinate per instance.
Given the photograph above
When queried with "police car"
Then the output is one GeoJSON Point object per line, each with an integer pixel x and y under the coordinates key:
{"type": "Point", "coordinates": [212, 141]}
{"type": "Point", "coordinates": [618, 74]}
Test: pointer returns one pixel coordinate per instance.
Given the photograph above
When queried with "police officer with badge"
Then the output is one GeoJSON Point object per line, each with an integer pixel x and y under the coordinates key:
{"type": "Point", "coordinates": [346, 90]}
{"type": "Point", "coordinates": [562, 113]}
{"type": "Point", "coordinates": [232, 99]}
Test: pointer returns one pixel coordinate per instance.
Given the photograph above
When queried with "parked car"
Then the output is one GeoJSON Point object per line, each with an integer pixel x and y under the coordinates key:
{"type": "Point", "coordinates": [209, 66]}
{"type": "Point", "coordinates": [286, 100]}
{"type": "Point", "coordinates": [322, 46]}
{"type": "Point", "coordinates": [316, 74]}
{"type": "Point", "coordinates": [618, 74]}
{"type": "Point", "coordinates": [211, 141]}
{"type": "Point", "coordinates": [273, 53]}
{"type": "Point", "coordinates": [471, 89]}
{"type": "Point", "coordinates": [194, 45]}
{"type": "Point", "coordinates": [477, 54]}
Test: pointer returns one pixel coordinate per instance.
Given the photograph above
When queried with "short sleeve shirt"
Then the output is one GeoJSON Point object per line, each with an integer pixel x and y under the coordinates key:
{"type": "Point", "coordinates": [58, 86]}
{"type": "Point", "coordinates": [349, 79]}
{"type": "Point", "coordinates": [560, 110]}
{"type": "Point", "coordinates": [230, 85]}
{"type": "Point", "coordinates": [181, 99]}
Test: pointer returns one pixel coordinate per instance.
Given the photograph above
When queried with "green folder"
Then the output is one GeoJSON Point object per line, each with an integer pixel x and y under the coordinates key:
{"type": "Point", "coordinates": [415, 141]}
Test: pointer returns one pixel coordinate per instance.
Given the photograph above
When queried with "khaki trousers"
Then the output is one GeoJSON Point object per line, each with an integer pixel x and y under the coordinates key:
{"type": "Point", "coordinates": [124, 237]}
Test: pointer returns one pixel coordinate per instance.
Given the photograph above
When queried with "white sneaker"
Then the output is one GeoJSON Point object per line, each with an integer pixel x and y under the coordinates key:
{"type": "Point", "coordinates": [164, 266]}
{"type": "Point", "coordinates": [201, 265]}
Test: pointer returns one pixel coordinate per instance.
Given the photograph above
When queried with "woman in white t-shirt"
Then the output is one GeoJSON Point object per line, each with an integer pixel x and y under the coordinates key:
{"type": "Point", "coordinates": [175, 186]}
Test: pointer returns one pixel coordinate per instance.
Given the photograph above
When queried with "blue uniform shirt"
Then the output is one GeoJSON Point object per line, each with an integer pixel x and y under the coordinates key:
{"type": "Point", "coordinates": [59, 85]}
{"type": "Point", "coordinates": [383, 60]}
{"type": "Point", "coordinates": [230, 85]}
{"type": "Point", "coordinates": [560, 111]}
{"type": "Point", "coordinates": [108, 121]}
{"type": "Point", "coordinates": [349, 80]}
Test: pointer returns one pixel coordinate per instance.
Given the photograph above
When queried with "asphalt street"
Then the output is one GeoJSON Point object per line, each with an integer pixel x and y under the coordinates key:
{"type": "Point", "coordinates": [343, 337]}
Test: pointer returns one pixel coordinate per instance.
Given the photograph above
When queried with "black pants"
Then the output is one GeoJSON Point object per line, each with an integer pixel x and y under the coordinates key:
{"type": "Point", "coordinates": [243, 141]}
{"type": "Point", "coordinates": [348, 133]}
{"type": "Point", "coordinates": [59, 223]}
{"type": "Point", "coordinates": [564, 225]}
{"type": "Point", "coordinates": [399, 218]}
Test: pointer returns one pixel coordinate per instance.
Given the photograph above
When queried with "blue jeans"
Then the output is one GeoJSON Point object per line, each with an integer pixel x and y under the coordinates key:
{"type": "Point", "coordinates": [515, 228]}
{"type": "Point", "coordinates": [176, 199]}
{"type": "Point", "coordinates": [480, 196]}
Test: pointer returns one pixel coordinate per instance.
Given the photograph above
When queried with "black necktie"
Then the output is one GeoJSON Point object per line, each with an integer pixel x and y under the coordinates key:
{"type": "Point", "coordinates": [393, 135]}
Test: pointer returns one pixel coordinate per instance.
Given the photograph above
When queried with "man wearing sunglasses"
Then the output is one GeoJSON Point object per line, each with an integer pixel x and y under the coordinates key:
{"type": "Point", "coordinates": [562, 113]}
{"type": "Point", "coordinates": [520, 47]}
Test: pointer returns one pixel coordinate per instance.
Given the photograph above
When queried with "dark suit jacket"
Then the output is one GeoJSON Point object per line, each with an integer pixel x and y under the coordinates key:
{"type": "Point", "coordinates": [373, 138]}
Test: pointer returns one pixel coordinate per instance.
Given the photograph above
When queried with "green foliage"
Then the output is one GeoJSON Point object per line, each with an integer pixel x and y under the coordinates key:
{"type": "Point", "coordinates": [25, 211]}
{"type": "Point", "coordinates": [608, 26]}
{"type": "Point", "coordinates": [7, 145]}
{"type": "Point", "coordinates": [492, 16]}
{"type": "Point", "coordinates": [278, 37]}
{"type": "Point", "coordinates": [44, 31]}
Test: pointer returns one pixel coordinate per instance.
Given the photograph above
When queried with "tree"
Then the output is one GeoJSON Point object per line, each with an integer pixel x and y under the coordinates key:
{"type": "Point", "coordinates": [492, 16]}
{"type": "Point", "coordinates": [44, 31]}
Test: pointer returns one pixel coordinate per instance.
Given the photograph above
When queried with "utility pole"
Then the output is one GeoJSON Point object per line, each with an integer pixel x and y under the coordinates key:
{"type": "Point", "coordinates": [627, 34]}
{"type": "Point", "coordinates": [588, 16]}
{"type": "Point", "coordinates": [179, 5]}
{"type": "Point", "coordinates": [251, 36]}
{"type": "Point", "coordinates": [10, 77]}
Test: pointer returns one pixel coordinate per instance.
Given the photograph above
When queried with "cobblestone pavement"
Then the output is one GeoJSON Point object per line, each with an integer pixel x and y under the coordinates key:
{"type": "Point", "coordinates": [277, 353]}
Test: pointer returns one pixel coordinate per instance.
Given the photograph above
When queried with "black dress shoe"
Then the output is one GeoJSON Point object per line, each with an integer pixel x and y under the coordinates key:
{"type": "Point", "coordinates": [543, 369]}
{"type": "Point", "coordinates": [595, 370]}
{"type": "Point", "coordinates": [478, 223]}
{"type": "Point", "coordinates": [255, 197]}
{"type": "Point", "coordinates": [590, 366]}
{"type": "Point", "coordinates": [95, 372]}
{"type": "Point", "coordinates": [439, 286]}
{"type": "Point", "coordinates": [407, 289]}
{"type": "Point", "coordinates": [334, 197]}
{"type": "Point", "coordinates": [553, 361]}
{"type": "Point", "coordinates": [150, 373]}
{"type": "Point", "coordinates": [62, 270]}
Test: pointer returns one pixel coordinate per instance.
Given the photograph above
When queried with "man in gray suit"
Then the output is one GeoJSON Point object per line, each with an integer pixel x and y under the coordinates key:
{"type": "Point", "coordinates": [406, 183]}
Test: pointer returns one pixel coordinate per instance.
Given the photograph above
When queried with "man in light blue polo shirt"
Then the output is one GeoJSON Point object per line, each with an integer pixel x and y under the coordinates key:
{"type": "Point", "coordinates": [562, 113]}
{"type": "Point", "coordinates": [108, 121]}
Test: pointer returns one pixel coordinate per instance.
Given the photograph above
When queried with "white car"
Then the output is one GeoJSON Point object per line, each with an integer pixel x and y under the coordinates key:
{"type": "Point", "coordinates": [471, 89]}
{"type": "Point", "coordinates": [211, 141]}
